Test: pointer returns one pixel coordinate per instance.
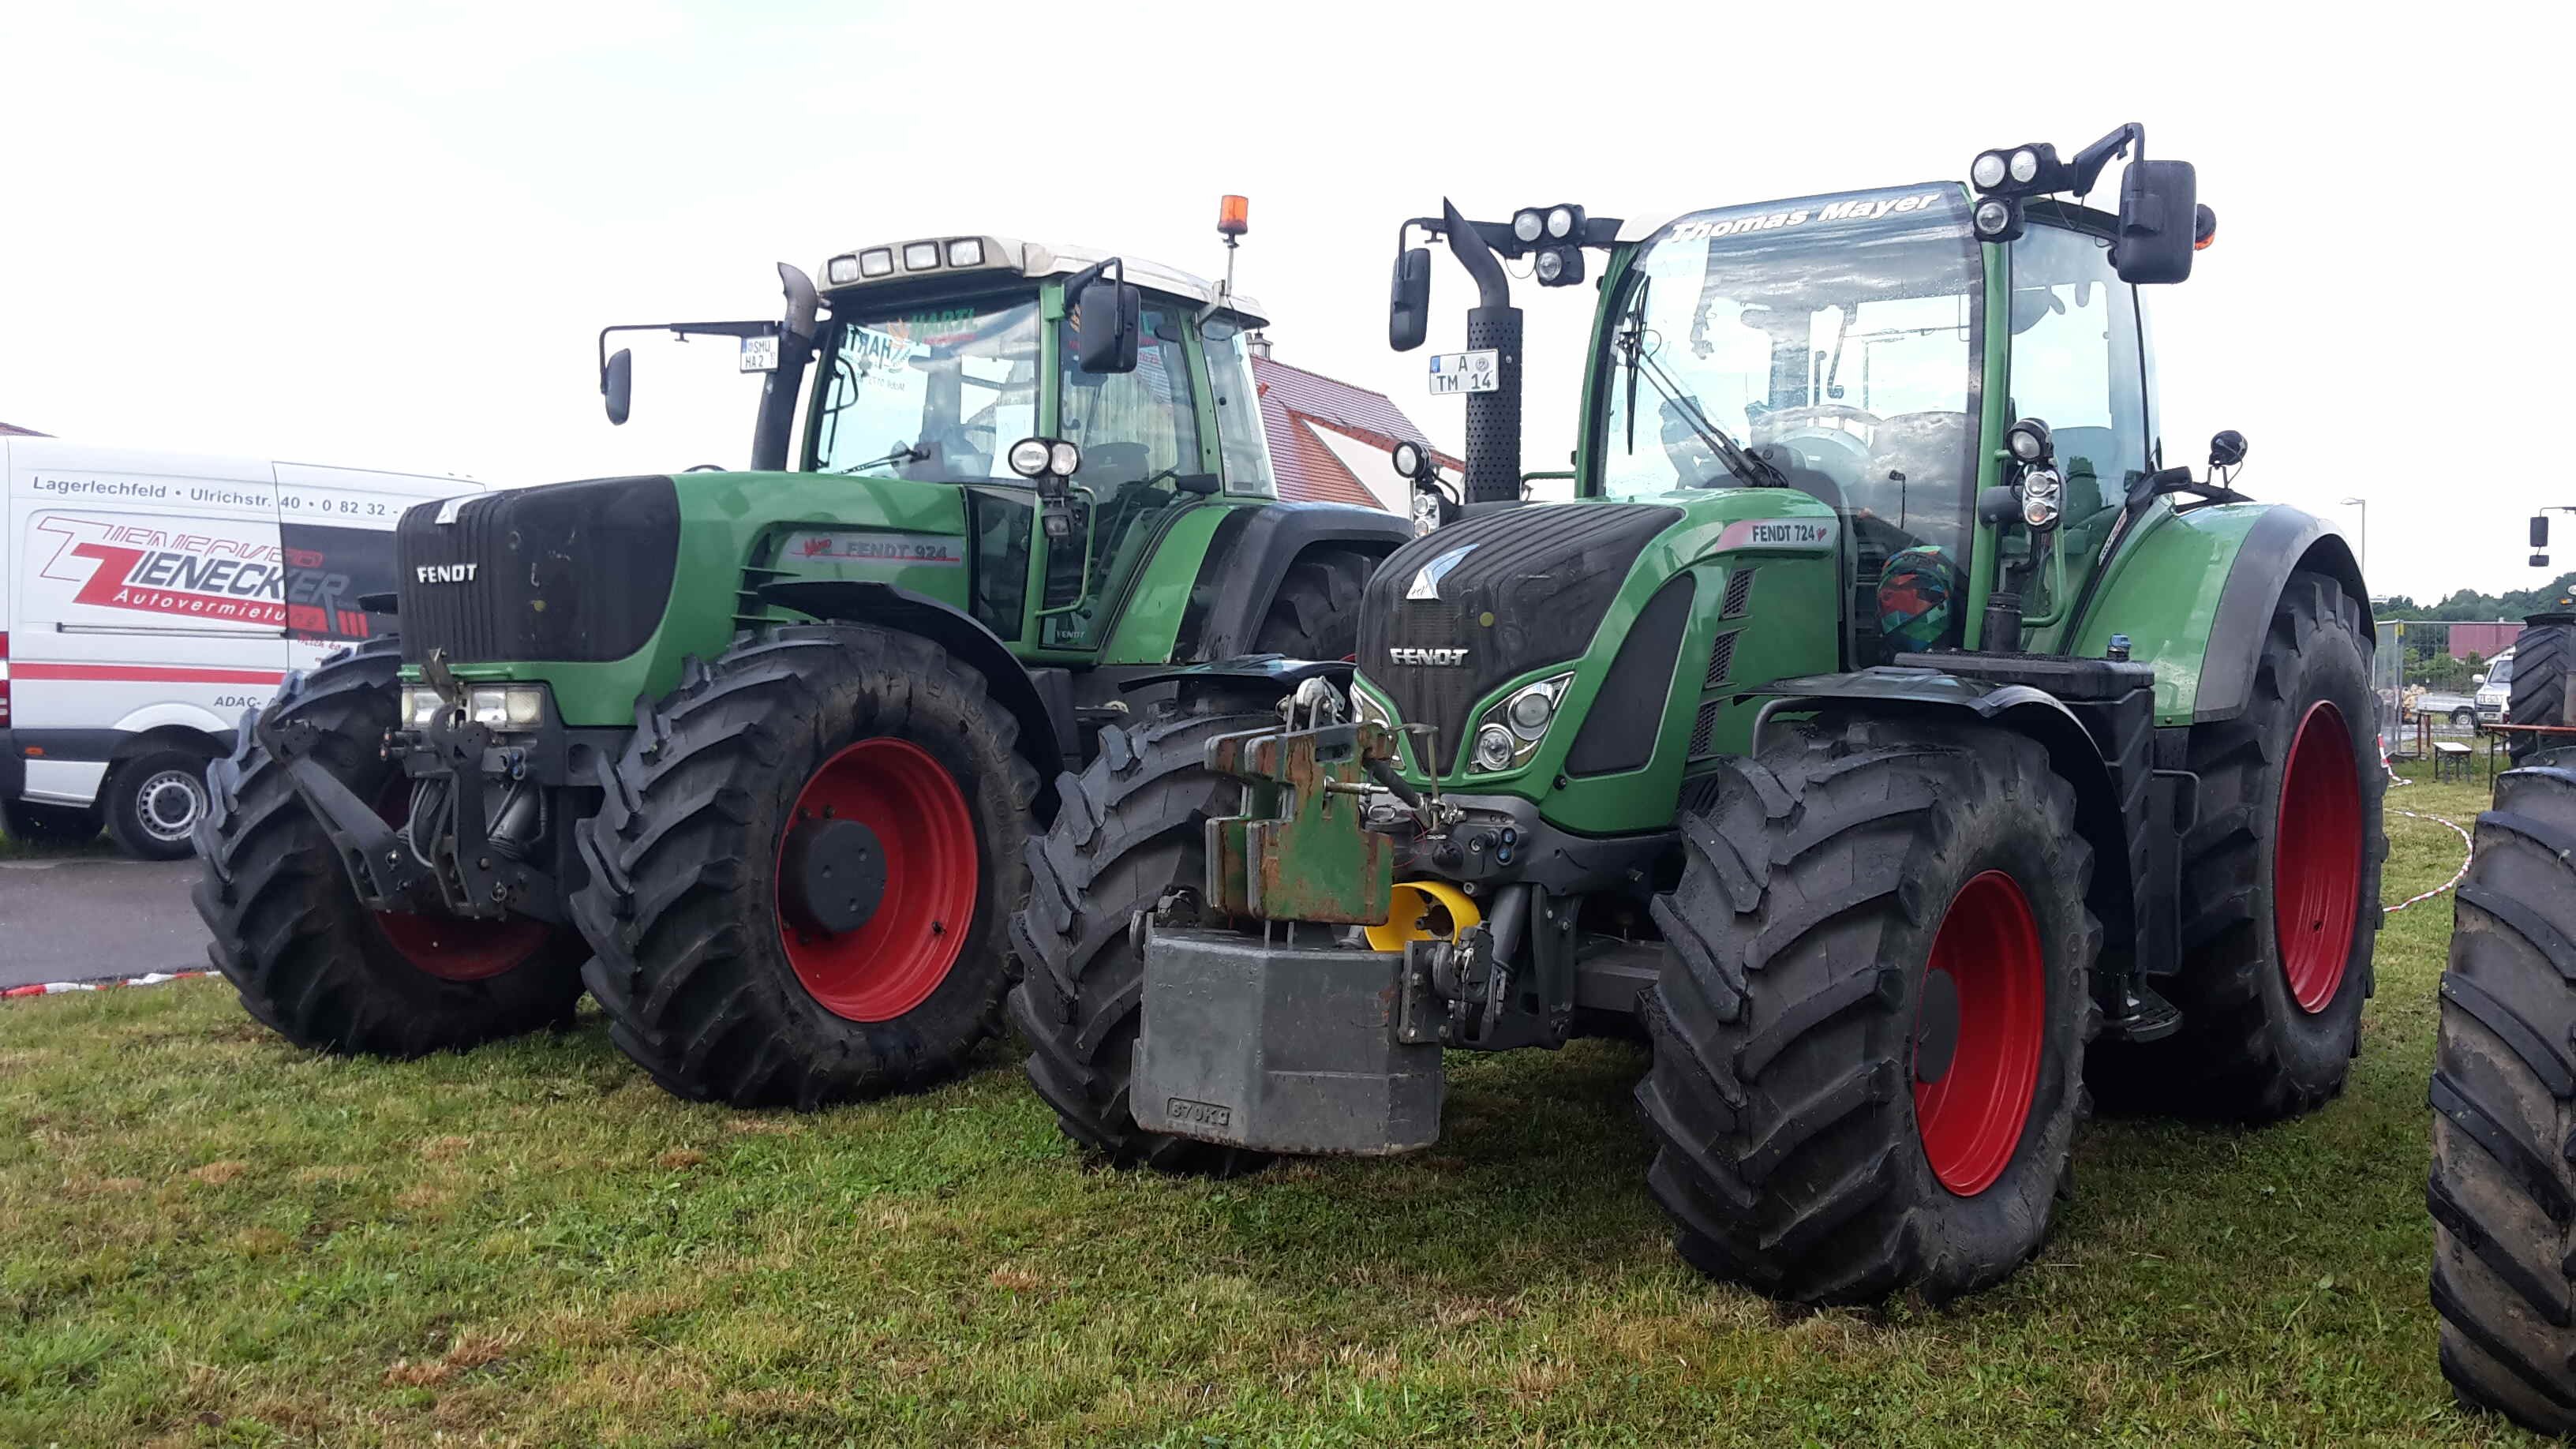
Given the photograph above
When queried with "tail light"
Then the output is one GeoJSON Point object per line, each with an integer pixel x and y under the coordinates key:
{"type": "Point", "coordinates": [4, 678]}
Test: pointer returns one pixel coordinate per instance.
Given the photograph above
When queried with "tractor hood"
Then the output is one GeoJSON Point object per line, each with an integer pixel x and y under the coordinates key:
{"type": "Point", "coordinates": [571, 571]}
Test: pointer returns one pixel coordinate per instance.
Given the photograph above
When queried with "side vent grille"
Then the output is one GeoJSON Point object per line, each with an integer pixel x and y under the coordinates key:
{"type": "Point", "coordinates": [750, 610]}
{"type": "Point", "coordinates": [1721, 654]}
{"type": "Point", "coordinates": [1704, 731]}
{"type": "Point", "coordinates": [1739, 594]}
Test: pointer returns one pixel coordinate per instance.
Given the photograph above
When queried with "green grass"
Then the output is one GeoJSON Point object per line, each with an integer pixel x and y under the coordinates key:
{"type": "Point", "coordinates": [211, 1238]}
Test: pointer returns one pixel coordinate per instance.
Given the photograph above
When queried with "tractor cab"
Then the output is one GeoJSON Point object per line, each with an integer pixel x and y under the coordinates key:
{"type": "Point", "coordinates": [938, 355]}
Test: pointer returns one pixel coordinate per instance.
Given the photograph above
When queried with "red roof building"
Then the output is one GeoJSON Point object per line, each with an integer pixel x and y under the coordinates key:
{"type": "Point", "coordinates": [1329, 440]}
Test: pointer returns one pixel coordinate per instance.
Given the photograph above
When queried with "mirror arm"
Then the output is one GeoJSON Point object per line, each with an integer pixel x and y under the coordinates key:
{"type": "Point", "coordinates": [2088, 164]}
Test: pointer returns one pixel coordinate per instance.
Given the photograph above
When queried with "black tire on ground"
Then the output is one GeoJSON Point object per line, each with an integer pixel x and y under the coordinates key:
{"type": "Point", "coordinates": [308, 960]}
{"type": "Point", "coordinates": [1130, 827]}
{"type": "Point", "coordinates": [682, 905]}
{"type": "Point", "coordinates": [2248, 1049]}
{"type": "Point", "coordinates": [1316, 613]}
{"type": "Point", "coordinates": [2465, 718]}
{"type": "Point", "coordinates": [1792, 1150]}
{"type": "Point", "coordinates": [2503, 1189]}
{"type": "Point", "coordinates": [2537, 693]}
{"type": "Point", "coordinates": [153, 802]}
{"type": "Point", "coordinates": [25, 820]}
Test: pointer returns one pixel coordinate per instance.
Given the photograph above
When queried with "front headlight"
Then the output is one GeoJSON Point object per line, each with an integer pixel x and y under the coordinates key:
{"type": "Point", "coordinates": [506, 706]}
{"type": "Point", "coordinates": [1510, 732]}
{"type": "Point", "coordinates": [419, 706]}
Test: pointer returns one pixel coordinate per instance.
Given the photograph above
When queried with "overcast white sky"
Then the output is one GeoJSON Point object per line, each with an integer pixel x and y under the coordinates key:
{"type": "Point", "coordinates": [386, 235]}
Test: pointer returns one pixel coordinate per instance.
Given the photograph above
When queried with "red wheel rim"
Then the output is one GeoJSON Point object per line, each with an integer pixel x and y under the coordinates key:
{"type": "Point", "coordinates": [892, 962]}
{"type": "Point", "coordinates": [1986, 982]}
{"type": "Point", "coordinates": [2316, 858]}
{"type": "Point", "coordinates": [452, 948]}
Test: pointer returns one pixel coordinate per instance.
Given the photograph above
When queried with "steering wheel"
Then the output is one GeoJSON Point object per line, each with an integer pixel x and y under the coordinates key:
{"type": "Point", "coordinates": [1829, 450]}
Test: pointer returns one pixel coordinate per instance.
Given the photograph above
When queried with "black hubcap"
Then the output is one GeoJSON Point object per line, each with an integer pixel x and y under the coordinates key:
{"type": "Point", "coordinates": [831, 875]}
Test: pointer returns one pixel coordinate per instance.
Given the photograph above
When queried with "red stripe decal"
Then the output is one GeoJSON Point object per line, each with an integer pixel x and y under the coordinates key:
{"type": "Point", "coordinates": [146, 673]}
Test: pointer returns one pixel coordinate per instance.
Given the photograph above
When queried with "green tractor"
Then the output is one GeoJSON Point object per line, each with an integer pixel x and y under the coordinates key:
{"type": "Point", "coordinates": [1884, 732]}
{"type": "Point", "coordinates": [754, 755]}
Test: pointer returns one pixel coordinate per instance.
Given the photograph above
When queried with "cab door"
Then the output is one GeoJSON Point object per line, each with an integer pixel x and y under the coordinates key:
{"type": "Point", "coordinates": [1145, 459]}
{"type": "Point", "coordinates": [2078, 365]}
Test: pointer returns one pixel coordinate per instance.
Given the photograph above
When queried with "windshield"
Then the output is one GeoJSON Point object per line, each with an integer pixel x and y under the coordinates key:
{"type": "Point", "coordinates": [937, 394]}
{"type": "Point", "coordinates": [1844, 330]}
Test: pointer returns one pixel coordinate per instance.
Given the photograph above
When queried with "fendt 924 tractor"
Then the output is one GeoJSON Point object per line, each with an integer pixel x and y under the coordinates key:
{"type": "Point", "coordinates": [1886, 730]}
{"type": "Point", "coordinates": [754, 754]}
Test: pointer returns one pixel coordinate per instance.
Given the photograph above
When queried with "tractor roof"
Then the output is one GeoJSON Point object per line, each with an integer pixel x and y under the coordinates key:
{"type": "Point", "coordinates": [949, 259]}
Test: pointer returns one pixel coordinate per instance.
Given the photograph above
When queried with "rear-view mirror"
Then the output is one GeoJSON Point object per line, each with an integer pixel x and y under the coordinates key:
{"type": "Point", "coordinates": [1408, 313]}
{"type": "Point", "coordinates": [617, 384]}
{"type": "Point", "coordinates": [2159, 216]}
{"type": "Point", "coordinates": [2540, 530]}
{"type": "Point", "coordinates": [1105, 326]}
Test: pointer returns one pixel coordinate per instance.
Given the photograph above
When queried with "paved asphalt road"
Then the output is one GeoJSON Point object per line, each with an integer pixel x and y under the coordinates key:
{"type": "Point", "coordinates": [96, 916]}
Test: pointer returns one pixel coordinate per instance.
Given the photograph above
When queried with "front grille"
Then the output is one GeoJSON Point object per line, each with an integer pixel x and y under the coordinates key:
{"type": "Point", "coordinates": [1704, 732]}
{"type": "Point", "coordinates": [1529, 589]}
{"type": "Point", "coordinates": [1739, 594]}
{"type": "Point", "coordinates": [1721, 659]}
{"type": "Point", "coordinates": [576, 572]}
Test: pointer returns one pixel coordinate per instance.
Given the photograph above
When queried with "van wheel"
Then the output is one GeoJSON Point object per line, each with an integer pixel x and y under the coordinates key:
{"type": "Point", "coordinates": [153, 802]}
{"type": "Point", "coordinates": [33, 824]}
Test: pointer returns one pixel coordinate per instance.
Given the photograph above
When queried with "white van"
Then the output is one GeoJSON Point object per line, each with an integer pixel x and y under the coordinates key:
{"type": "Point", "coordinates": [147, 599]}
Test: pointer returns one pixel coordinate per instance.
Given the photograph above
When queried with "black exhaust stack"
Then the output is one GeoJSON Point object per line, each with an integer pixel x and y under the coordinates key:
{"type": "Point", "coordinates": [1493, 418]}
{"type": "Point", "coordinates": [774, 431]}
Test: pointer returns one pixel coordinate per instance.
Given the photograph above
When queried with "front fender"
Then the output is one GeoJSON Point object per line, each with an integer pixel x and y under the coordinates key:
{"type": "Point", "coordinates": [2195, 590]}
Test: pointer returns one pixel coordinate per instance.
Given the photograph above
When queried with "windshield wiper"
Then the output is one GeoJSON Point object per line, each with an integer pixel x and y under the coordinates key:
{"type": "Point", "coordinates": [905, 454]}
{"type": "Point", "coordinates": [1750, 469]}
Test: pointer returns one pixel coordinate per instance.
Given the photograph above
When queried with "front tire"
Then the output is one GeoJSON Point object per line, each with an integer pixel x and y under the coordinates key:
{"type": "Point", "coordinates": [1131, 827]}
{"type": "Point", "coordinates": [733, 961]}
{"type": "Point", "coordinates": [2503, 1190]}
{"type": "Point", "coordinates": [1870, 1026]}
{"type": "Point", "coordinates": [153, 802]}
{"type": "Point", "coordinates": [309, 961]}
{"type": "Point", "coordinates": [1316, 613]}
{"type": "Point", "coordinates": [2279, 883]}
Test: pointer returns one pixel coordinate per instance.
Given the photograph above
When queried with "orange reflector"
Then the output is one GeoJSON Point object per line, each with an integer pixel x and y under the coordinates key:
{"type": "Point", "coordinates": [2201, 244]}
{"type": "Point", "coordinates": [1233, 216]}
{"type": "Point", "coordinates": [34, 750]}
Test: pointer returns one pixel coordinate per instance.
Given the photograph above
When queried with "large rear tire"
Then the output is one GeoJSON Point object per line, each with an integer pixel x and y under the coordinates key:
{"type": "Point", "coordinates": [1869, 1029]}
{"type": "Point", "coordinates": [2279, 881]}
{"type": "Point", "coordinates": [2537, 695]}
{"type": "Point", "coordinates": [1130, 828]}
{"type": "Point", "coordinates": [1316, 613]}
{"type": "Point", "coordinates": [308, 960]}
{"type": "Point", "coordinates": [734, 963]}
{"type": "Point", "coordinates": [2503, 1189]}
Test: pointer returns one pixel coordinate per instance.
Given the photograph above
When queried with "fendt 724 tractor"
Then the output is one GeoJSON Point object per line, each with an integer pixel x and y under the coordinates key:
{"type": "Point", "coordinates": [754, 754]}
{"type": "Point", "coordinates": [1885, 730]}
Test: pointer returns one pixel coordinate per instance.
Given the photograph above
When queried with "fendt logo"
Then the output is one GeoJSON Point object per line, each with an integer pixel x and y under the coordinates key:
{"type": "Point", "coordinates": [461, 573]}
{"type": "Point", "coordinates": [1436, 658]}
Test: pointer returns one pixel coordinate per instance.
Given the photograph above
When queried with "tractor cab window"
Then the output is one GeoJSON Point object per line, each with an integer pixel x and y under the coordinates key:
{"type": "Point", "coordinates": [1240, 437]}
{"type": "Point", "coordinates": [936, 393]}
{"type": "Point", "coordinates": [2076, 367]}
{"type": "Point", "coordinates": [1139, 433]}
{"type": "Point", "coordinates": [1838, 336]}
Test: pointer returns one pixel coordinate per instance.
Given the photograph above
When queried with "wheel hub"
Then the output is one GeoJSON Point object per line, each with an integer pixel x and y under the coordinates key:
{"type": "Point", "coordinates": [167, 804]}
{"type": "Point", "coordinates": [2316, 858]}
{"type": "Point", "coordinates": [831, 875]}
{"type": "Point", "coordinates": [1981, 1013]}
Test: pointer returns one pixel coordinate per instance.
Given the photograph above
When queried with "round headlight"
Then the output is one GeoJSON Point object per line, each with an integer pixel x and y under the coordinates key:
{"type": "Point", "coordinates": [1408, 459]}
{"type": "Point", "coordinates": [1065, 459]}
{"type": "Point", "coordinates": [2040, 498]}
{"type": "Point", "coordinates": [1988, 172]}
{"type": "Point", "coordinates": [1527, 225]}
{"type": "Point", "coordinates": [2025, 165]}
{"type": "Point", "coordinates": [2027, 440]}
{"type": "Point", "coordinates": [1560, 223]}
{"type": "Point", "coordinates": [1992, 218]}
{"type": "Point", "coordinates": [1493, 748]}
{"type": "Point", "coordinates": [1426, 513]}
{"type": "Point", "coordinates": [1029, 457]}
{"type": "Point", "coordinates": [1530, 710]}
{"type": "Point", "coordinates": [1551, 265]}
